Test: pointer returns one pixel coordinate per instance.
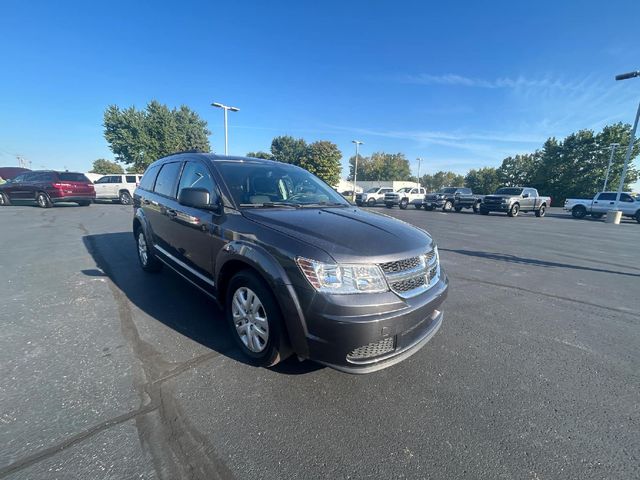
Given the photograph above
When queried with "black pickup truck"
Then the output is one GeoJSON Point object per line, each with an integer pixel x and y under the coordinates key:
{"type": "Point", "coordinates": [453, 198]}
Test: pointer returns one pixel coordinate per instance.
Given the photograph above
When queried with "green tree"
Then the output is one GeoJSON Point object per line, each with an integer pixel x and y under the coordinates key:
{"type": "Point", "coordinates": [103, 166]}
{"type": "Point", "coordinates": [381, 166]}
{"type": "Point", "coordinates": [483, 181]}
{"type": "Point", "coordinates": [289, 150]}
{"type": "Point", "coordinates": [260, 154]}
{"type": "Point", "coordinates": [139, 137]}
{"type": "Point", "coordinates": [323, 159]}
{"type": "Point", "coordinates": [441, 179]}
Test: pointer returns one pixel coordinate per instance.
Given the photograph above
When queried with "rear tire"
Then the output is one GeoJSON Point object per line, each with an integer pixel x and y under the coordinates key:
{"type": "Point", "coordinates": [541, 211]}
{"type": "Point", "coordinates": [4, 200]}
{"type": "Point", "coordinates": [579, 211]}
{"type": "Point", "coordinates": [146, 257]}
{"type": "Point", "coordinates": [484, 212]}
{"type": "Point", "coordinates": [84, 204]}
{"type": "Point", "coordinates": [428, 208]}
{"type": "Point", "coordinates": [514, 210]}
{"type": "Point", "coordinates": [458, 209]}
{"type": "Point", "coordinates": [43, 200]}
{"type": "Point", "coordinates": [255, 320]}
{"type": "Point", "coordinates": [125, 198]}
{"type": "Point", "coordinates": [418, 206]}
{"type": "Point", "coordinates": [638, 216]}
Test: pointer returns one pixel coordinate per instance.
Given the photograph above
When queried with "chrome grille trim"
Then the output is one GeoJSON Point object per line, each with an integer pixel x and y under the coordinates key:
{"type": "Point", "coordinates": [412, 276]}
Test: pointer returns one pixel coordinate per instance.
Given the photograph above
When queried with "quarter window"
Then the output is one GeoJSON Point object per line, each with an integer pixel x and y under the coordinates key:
{"type": "Point", "coordinates": [625, 197]}
{"type": "Point", "coordinates": [149, 178]}
{"type": "Point", "coordinates": [166, 182]}
{"type": "Point", "coordinates": [131, 178]}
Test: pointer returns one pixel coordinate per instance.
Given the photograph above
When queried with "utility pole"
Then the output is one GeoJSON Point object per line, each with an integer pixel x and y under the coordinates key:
{"type": "Point", "coordinates": [419, 165]}
{"type": "Point", "coordinates": [226, 134]}
{"type": "Point", "coordinates": [613, 151]}
{"type": "Point", "coordinates": [355, 168]}
{"type": "Point", "coordinates": [632, 140]}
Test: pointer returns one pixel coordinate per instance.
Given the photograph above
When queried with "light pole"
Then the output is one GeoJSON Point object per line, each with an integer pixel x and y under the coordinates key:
{"type": "Point", "coordinates": [632, 140]}
{"type": "Point", "coordinates": [226, 133]}
{"type": "Point", "coordinates": [613, 151]}
{"type": "Point", "coordinates": [355, 168]}
{"type": "Point", "coordinates": [419, 165]}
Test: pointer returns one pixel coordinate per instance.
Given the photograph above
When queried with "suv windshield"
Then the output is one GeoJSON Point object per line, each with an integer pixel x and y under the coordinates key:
{"type": "Point", "coordinates": [447, 190]}
{"type": "Point", "coordinates": [72, 177]}
{"type": "Point", "coordinates": [509, 191]}
{"type": "Point", "coordinates": [275, 184]}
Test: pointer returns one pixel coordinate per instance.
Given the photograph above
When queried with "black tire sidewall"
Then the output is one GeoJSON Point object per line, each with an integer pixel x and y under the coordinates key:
{"type": "Point", "coordinates": [47, 202]}
{"type": "Point", "coordinates": [448, 205]}
{"type": "Point", "coordinates": [153, 264]}
{"type": "Point", "coordinates": [514, 210]}
{"type": "Point", "coordinates": [5, 200]}
{"type": "Point", "coordinates": [273, 352]}
{"type": "Point", "coordinates": [371, 202]}
{"type": "Point", "coordinates": [579, 212]}
{"type": "Point", "coordinates": [403, 204]}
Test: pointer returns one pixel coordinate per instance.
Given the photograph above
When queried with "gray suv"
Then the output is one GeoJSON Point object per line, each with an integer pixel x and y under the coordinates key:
{"type": "Point", "coordinates": [291, 262]}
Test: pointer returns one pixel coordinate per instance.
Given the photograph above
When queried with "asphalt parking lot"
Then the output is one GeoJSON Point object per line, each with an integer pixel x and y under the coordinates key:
{"type": "Point", "coordinates": [111, 373]}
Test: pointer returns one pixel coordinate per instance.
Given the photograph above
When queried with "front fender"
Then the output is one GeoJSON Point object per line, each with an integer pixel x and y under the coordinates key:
{"type": "Point", "coordinates": [272, 272]}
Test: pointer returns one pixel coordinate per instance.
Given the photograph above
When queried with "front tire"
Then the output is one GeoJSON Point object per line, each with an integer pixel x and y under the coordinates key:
{"type": "Point", "coordinates": [404, 203]}
{"type": "Point", "coordinates": [448, 206]}
{"type": "Point", "coordinates": [638, 216]}
{"type": "Point", "coordinates": [388, 205]}
{"type": "Point", "coordinates": [371, 202]}
{"type": "Point", "coordinates": [514, 210]}
{"type": "Point", "coordinates": [4, 200]}
{"type": "Point", "coordinates": [458, 209]}
{"type": "Point", "coordinates": [43, 200]}
{"type": "Point", "coordinates": [476, 207]}
{"type": "Point", "coordinates": [255, 319]}
{"type": "Point", "coordinates": [541, 211]}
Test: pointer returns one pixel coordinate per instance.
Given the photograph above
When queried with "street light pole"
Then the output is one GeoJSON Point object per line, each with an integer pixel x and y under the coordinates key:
{"type": "Point", "coordinates": [632, 140]}
{"type": "Point", "coordinates": [226, 132]}
{"type": "Point", "coordinates": [613, 151]}
{"type": "Point", "coordinates": [355, 168]}
{"type": "Point", "coordinates": [419, 165]}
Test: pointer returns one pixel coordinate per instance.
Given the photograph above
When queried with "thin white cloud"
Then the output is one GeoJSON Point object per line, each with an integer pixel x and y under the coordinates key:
{"type": "Point", "coordinates": [453, 79]}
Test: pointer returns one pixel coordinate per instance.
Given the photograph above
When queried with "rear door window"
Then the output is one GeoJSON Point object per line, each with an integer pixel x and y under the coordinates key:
{"type": "Point", "coordinates": [607, 196]}
{"type": "Point", "coordinates": [167, 179]}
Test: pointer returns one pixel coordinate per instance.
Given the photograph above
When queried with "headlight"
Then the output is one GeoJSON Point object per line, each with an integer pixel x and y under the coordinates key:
{"type": "Point", "coordinates": [346, 278]}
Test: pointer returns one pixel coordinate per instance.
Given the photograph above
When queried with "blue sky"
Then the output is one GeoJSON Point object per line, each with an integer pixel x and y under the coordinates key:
{"type": "Point", "coordinates": [461, 86]}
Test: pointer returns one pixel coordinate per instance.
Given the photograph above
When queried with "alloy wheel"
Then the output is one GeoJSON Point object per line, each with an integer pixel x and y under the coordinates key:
{"type": "Point", "coordinates": [142, 249]}
{"type": "Point", "coordinates": [250, 319]}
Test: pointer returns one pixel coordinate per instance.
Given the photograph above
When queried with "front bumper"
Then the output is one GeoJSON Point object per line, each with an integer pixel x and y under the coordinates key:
{"type": "Point", "coordinates": [339, 325]}
{"type": "Point", "coordinates": [435, 203]}
{"type": "Point", "coordinates": [497, 207]}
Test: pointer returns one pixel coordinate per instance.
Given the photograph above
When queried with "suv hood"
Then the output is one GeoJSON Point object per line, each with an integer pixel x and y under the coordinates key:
{"type": "Point", "coordinates": [500, 196]}
{"type": "Point", "coordinates": [347, 234]}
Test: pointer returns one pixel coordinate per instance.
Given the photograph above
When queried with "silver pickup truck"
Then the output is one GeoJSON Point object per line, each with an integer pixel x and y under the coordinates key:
{"type": "Point", "coordinates": [513, 200]}
{"type": "Point", "coordinates": [629, 205]}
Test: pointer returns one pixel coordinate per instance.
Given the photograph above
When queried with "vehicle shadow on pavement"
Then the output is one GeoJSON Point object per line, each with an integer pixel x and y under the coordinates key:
{"type": "Point", "coordinates": [502, 257]}
{"type": "Point", "coordinates": [169, 299]}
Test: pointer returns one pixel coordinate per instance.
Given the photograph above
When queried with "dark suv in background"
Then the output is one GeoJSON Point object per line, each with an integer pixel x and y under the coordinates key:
{"type": "Point", "coordinates": [291, 262]}
{"type": "Point", "coordinates": [46, 187]}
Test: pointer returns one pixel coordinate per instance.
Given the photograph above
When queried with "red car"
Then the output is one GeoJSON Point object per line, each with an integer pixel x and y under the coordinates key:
{"type": "Point", "coordinates": [46, 187]}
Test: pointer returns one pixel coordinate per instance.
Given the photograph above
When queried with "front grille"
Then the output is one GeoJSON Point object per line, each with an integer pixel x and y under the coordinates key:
{"type": "Point", "coordinates": [372, 350]}
{"type": "Point", "coordinates": [411, 276]}
{"type": "Point", "coordinates": [408, 285]}
{"type": "Point", "coordinates": [400, 265]}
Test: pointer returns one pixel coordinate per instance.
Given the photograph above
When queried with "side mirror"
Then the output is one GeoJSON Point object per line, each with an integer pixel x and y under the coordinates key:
{"type": "Point", "coordinates": [197, 198]}
{"type": "Point", "coordinates": [525, 195]}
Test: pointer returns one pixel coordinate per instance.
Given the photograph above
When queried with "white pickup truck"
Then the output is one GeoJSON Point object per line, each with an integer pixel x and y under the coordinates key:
{"type": "Point", "coordinates": [629, 205]}
{"type": "Point", "coordinates": [404, 197]}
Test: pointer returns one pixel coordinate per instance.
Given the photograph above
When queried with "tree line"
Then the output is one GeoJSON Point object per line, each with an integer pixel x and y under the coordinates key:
{"type": "Point", "coordinates": [571, 167]}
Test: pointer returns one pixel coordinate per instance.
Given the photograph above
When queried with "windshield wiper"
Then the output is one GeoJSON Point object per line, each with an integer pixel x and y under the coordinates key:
{"type": "Point", "coordinates": [271, 205]}
{"type": "Point", "coordinates": [325, 204]}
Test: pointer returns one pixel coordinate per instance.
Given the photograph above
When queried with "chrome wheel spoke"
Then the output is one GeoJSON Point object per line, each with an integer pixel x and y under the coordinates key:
{"type": "Point", "coordinates": [250, 319]}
